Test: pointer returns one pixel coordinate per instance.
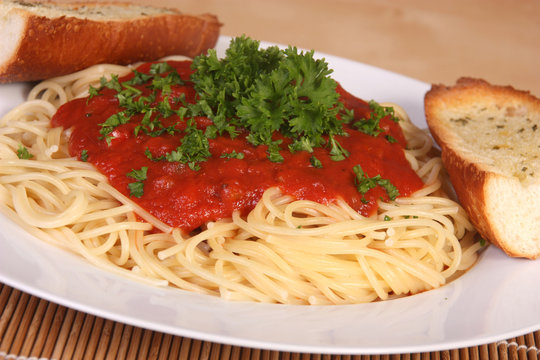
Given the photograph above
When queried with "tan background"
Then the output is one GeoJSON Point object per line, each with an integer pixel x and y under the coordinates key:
{"type": "Point", "coordinates": [433, 41]}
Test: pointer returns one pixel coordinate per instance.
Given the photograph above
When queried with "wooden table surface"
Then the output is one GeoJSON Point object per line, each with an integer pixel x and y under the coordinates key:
{"type": "Point", "coordinates": [433, 41]}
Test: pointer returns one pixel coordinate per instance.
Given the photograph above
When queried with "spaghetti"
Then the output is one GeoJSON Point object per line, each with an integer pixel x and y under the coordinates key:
{"type": "Point", "coordinates": [284, 251]}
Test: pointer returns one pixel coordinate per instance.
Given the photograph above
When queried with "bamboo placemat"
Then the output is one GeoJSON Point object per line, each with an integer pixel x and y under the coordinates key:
{"type": "Point", "coordinates": [33, 328]}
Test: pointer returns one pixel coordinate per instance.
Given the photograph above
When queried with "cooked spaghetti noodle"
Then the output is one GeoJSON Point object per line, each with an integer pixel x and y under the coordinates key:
{"type": "Point", "coordinates": [284, 251]}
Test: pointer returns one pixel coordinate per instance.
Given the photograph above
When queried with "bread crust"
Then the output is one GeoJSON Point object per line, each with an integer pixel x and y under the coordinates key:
{"type": "Point", "coordinates": [56, 46]}
{"type": "Point", "coordinates": [469, 182]}
{"type": "Point", "coordinates": [470, 175]}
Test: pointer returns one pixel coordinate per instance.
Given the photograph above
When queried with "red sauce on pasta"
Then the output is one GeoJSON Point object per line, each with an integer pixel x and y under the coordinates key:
{"type": "Point", "coordinates": [186, 198]}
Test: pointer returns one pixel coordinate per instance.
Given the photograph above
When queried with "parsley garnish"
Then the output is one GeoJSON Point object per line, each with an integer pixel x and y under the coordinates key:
{"type": "Point", "coordinates": [337, 152]}
{"type": "Point", "coordinates": [84, 155]}
{"type": "Point", "coordinates": [382, 111]}
{"type": "Point", "coordinates": [365, 183]}
{"type": "Point", "coordinates": [163, 76]}
{"type": "Point", "coordinates": [194, 149]}
{"type": "Point", "coordinates": [23, 153]}
{"type": "Point", "coordinates": [233, 155]}
{"type": "Point", "coordinates": [92, 91]}
{"type": "Point", "coordinates": [315, 162]}
{"type": "Point", "coordinates": [253, 91]}
{"type": "Point", "coordinates": [111, 123]}
{"type": "Point", "coordinates": [136, 189]}
{"type": "Point", "coordinates": [370, 126]}
{"type": "Point", "coordinates": [269, 90]}
{"type": "Point", "coordinates": [139, 175]}
{"type": "Point", "coordinates": [150, 156]}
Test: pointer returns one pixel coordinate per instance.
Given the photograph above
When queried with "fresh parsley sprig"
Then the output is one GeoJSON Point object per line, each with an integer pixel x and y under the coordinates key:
{"type": "Point", "coordinates": [251, 90]}
{"type": "Point", "coordinates": [269, 90]}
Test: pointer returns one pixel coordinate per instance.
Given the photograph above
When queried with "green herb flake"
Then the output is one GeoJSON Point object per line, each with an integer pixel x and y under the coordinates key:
{"type": "Point", "coordinates": [391, 190]}
{"type": "Point", "coordinates": [92, 92]}
{"type": "Point", "coordinates": [364, 184]}
{"type": "Point", "coordinates": [84, 155]}
{"type": "Point", "coordinates": [315, 162]}
{"type": "Point", "coordinates": [111, 124]}
{"type": "Point", "coordinates": [23, 153]}
{"type": "Point", "coordinates": [370, 125]}
{"type": "Point", "coordinates": [138, 175]}
{"type": "Point", "coordinates": [194, 148]}
{"type": "Point", "coordinates": [232, 155]}
{"type": "Point", "coordinates": [112, 83]}
{"type": "Point", "coordinates": [150, 156]}
{"type": "Point", "coordinates": [337, 152]}
{"type": "Point", "coordinates": [162, 76]}
{"type": "Point", "coordinates": [136, 189]}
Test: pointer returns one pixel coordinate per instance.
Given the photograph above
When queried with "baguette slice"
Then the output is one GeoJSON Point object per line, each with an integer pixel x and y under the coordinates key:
{"type": "Point", "coordinates": [40, 40]}
{"type": "Point", "coordinates": [490, 141]}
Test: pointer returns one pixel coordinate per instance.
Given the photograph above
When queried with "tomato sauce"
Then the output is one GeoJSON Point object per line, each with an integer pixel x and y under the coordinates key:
{"type": "Point", "coordinates": [187, 198]}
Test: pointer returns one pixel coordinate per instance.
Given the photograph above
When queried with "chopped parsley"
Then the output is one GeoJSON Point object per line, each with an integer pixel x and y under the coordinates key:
{"type": "Point", "coordinates": [370, 126]}
{"type": "Point", "coordinates": [337, 152]}
{"type": "Point", "coordinates": [315, 162]}
{"type": "Point", "coordinates": [23, 153]}
{"type": "Point", "coordinates": [391, 139]}
{"type": "Point", "coordinates": [233, 155]}
{"type": "Point", "coordinates": [365, 183]}
{"type": "Point", "coordinates": [194, 148]}
{"type": "Point", "coordinates": [111, 123]}
{"type": "Point", "coordinates": [136, 189]}
{"type": "Point", "coordinates": [139, 175]}
{"type": "Point", "coordinates": [254, 91]}
{"type": "Point", "coordinates": [162, 77]}
{"type": "Point", "coordinates": [84, 155]}
{"type": "Point", "coordinates": [150, 156]}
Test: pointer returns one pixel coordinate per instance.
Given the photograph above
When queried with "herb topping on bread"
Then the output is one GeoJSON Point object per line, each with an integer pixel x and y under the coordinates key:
{"type": "Point", "coordinates": [489, 137]}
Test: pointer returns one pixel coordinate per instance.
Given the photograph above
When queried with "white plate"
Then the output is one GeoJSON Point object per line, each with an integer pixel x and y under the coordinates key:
{"type": "Point", "coordinates": [499, 298]}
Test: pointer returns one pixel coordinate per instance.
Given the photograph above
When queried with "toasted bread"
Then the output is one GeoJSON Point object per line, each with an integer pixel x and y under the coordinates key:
{"type": "Point", "coordinates": [46, 39]}
{"type": "Point", "coordinates": [490, 141]}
